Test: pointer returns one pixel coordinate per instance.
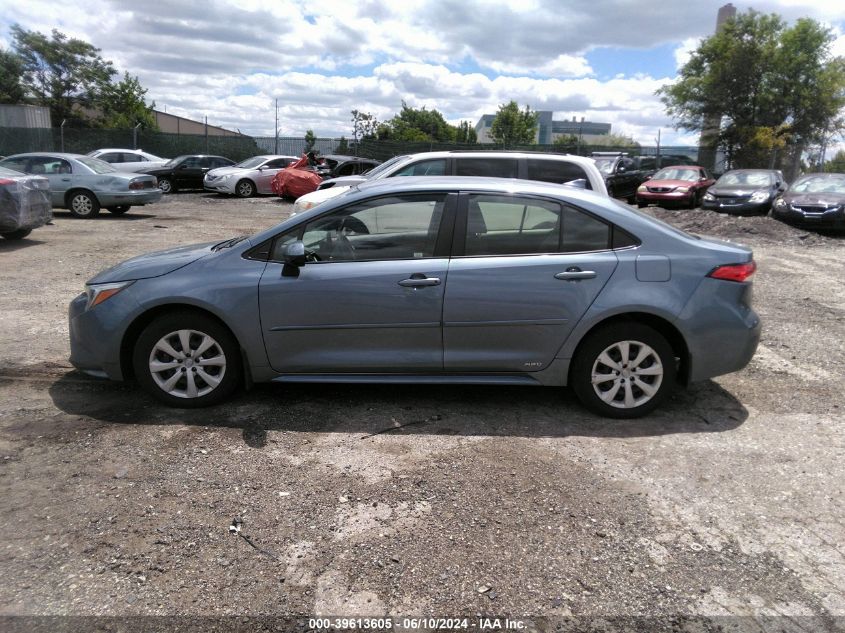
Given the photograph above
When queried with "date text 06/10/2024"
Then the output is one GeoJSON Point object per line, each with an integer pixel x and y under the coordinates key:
{"type": "Point", "coordinates": [427, 623]}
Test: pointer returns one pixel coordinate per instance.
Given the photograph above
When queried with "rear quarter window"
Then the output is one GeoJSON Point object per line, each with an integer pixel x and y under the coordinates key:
{"type": "Point", "coordinates": [556, 171]}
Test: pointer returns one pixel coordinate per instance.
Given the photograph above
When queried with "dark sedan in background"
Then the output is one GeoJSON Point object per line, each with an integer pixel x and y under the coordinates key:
{"type": "Point", "coordinates": [745, 191]}
{"type": "Point", "coordinates": [24, 203]}
{"type": "Point", "coordinates": [814, 201]}
{"type": "Point", "coordinates": [336, 165]}
{"type": "Point", "coordinates": [186, 172]}
{"type": "Point", "coordinates": [679, 185]}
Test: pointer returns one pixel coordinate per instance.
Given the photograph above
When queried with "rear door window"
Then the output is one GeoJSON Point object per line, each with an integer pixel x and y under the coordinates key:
{"type": "Point", "coordinates": [511, 225]}
{"type": "Point", "coordinates": [488, 167]}
{"type": "Point", "coordinates": [556, 171]}
{"type": "Point", "coordinates": [583, 232]}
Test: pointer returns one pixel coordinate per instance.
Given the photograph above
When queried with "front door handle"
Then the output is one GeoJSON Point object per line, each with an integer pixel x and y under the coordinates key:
{"type": "Point", "coordinates": [418, 280]}
{"type": "Point", "coordinates": [574, 274]}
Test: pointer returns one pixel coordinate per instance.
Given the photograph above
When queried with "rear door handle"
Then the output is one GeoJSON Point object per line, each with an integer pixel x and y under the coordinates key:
{"type": "Point", "coordinates": [574, 274]}
{"type": "Point", "coordinates": [418, 280]}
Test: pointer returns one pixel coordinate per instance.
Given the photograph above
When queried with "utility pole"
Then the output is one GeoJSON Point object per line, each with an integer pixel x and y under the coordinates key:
{"type": "Point", "coordinates": [62, 132]}
{"type": "Point", "coordinates": [206, 134]}
{"type": "Point", "coordinates": [135, 136]}
{"type": "Point", "coordinates": [276, 128]}
{"type": "Point", "coordinates": [708, 141]}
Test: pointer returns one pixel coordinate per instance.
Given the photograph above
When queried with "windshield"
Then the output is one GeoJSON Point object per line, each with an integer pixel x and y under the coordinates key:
{"type": "Point", "coordinates": [375, 172]}
{"type": "Point", "coordinates": [605, 165]}
{"type": "Point", "coordinates": [819, 184]}
{"type": "Point", "coordinates": [251, 163]}
{"type": "Point", "coordinates": [96, 165]}
{"type": "Point", "coordinates": [745, 179]}
{"type": "Point", "coordinates": [677, 173]}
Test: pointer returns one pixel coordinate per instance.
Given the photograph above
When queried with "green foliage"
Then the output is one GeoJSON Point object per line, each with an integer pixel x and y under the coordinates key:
{"type": "Point", "coordinates": [415, 125]}
{"type": "Point", "coordinates": [342, 146]}
{"type": "Point", "coordinates": [11, 68]}
{"type": "Point", "coordinates": [122, 105]}
{"type": "Point", "coordinates": [513, 126]}
{"type": "Point", "coordinates": [614, 141]}
{"type": "Point", "coordinates": [465, 133]}
{"type": "Point", "coordinates": [60, 72]}
{"type": "Point", "coordinates": [836, 165]}
{"type": "Point", "coordinates": [569, 141]}
{"type": "Point", "coordinates": [772, 84]}
{"type": "Point", "coordinates": [310, 139]}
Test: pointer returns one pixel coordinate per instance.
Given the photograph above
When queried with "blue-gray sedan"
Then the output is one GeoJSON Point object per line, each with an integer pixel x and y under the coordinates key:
{"type": "Point", "coordinates": [430, 280]}
{"type": "Point", "coordinates": [84, 185]}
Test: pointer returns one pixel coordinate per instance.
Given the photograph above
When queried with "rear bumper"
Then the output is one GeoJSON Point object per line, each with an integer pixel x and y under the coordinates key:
{"type": "Point", "coordinates": [131, 198]}
{"type": "Point", "coordinates": [722, 330]}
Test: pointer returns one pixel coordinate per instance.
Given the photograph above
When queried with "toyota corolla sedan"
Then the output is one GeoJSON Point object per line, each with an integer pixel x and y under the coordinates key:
{"type": "Point", "coordinates": [248, 178]}
{"type": "Point", "coordinates": [84, 185]}
{"type": "Point", "coordinates": [430, 280]}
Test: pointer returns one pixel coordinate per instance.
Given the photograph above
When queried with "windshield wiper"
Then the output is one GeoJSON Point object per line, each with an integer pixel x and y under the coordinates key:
{"type": "Point", "coordinates": [228, 243]}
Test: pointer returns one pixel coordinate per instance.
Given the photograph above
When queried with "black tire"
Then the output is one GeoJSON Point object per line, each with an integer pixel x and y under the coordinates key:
{"type": "Point", "coordinates": [166, 185]}
{"type": "Point", "coordinates": [628, 380]}
{"type": "Point", "coordinates": [641, 204]}
{"type": "Point", "coordinates": [166, 328]}
{"type": "Point", "coordinates": [119, 210]}
{"type": "Point", "coordinates": [83, 204]}
{"type": "Point", "coordinates": [245, 189]}
{"type": "Point", "coordinates": [16, 235]}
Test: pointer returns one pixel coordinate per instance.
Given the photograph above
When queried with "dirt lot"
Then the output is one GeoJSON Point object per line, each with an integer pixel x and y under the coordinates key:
{"type": "Point", "coordinates": [512, 501]}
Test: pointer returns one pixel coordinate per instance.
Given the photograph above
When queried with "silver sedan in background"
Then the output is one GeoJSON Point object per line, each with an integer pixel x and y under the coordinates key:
{"type": "Point", "coordinates": [249, 177]}
{"type": "Point", "coordinates": [128, 159]}
{"type": "Point", "coordinates": [83, 184]}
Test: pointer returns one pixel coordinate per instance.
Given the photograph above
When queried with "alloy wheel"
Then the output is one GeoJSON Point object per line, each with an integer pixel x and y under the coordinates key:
{"type": "Point", "coordinates": [627, 374]}
{"type": "Point", "coordinates": [187, 364]}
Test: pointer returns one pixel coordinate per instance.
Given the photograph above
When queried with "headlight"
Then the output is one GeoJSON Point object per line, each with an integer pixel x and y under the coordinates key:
{"type": "Point", "coordinates": [299, 207]}
{"type": "Point", "coordinates": [226, 177]}
{"type": "Point", "coordinates": [682, 189]}
{"type": "Point", "coordinates": [642, 188]}
{"type": "Point", "coordinates": [97, 293]}
{"type": "Point", "coordinates": [780, 203]}
{"type": "Point", "coordinates": [709, 197]}
{"type": "Point", "coordinates": [759, 196]}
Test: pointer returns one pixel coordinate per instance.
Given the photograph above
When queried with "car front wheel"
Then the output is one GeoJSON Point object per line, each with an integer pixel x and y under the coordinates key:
{"type": "Point", "coordinates": [624, 370]}
{"type": "Point", "coordinates": [119, 210]}
{"type": "Point", "coordinates": [245, 189]}
{"type": "Point", "coordinates": [166, 185]}
{"type": "Point", "coordinates": [187, 360]}
{"type": "Point", "coordinates": [83, 204]}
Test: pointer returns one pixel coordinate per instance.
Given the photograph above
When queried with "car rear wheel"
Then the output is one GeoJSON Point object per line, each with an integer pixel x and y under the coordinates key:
{"type": "Point", "coordinates": [166, 185]}
{"type": "Point", "coordinates": [245, 189]}
{"type": "Point", "coordinates": [624, 370]}
{"type": "Point", "coordinates": [119, 210]}
{"type": "Point", "coordinates": [16, 235]}
{"type": "Point", "coordinates": [83, 204]}
{"type": "Point", "coordinates": [187, 360]}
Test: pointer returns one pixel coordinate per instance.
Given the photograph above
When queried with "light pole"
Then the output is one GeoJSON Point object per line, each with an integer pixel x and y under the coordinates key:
{"type": "Point", "coordinates": [135, 136]}
{"type": "Point", "coordinates": [62, 134]}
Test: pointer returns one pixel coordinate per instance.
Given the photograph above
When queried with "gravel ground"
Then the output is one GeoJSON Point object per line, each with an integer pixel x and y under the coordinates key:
{"type": "Point", "coordinates": [434, 500]}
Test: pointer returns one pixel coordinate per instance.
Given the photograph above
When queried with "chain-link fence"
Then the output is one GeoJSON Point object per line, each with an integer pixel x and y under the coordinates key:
{"type": "Point", "coordinates": [84, 140]}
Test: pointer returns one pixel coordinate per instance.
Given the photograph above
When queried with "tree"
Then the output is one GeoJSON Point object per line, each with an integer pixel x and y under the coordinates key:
{"type": "Point", "coordinates": [364, 125]}
{"type": "Point", "coordinates": [11, 68]}
{"type": "Point", "coordinates": [614, 141]}
{"type": "Point", "coordinates": [60, 72]}
{"type": "Point", "coordinates": [417, 125]}
{"type": "Point", "coordinates": [122, 105]}
{"type": "Point", "coordinates": [310, 139]}
{"type": "Point", "coordinates": [342, 146]}
{"type": "Point", "coordinates": [512, 126]}
{"type": "Point", "coordinates": [772, 85]}
{"type": "Point", "coordinates": [465, 133]}
{"type": "Point", "coordinates": [568, 141]}
{"type": "Point", "coordinates": [836, 165]}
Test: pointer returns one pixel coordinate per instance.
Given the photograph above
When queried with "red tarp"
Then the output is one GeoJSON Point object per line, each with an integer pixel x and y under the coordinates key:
{"type": "Point", "coordinates": [294, 181]}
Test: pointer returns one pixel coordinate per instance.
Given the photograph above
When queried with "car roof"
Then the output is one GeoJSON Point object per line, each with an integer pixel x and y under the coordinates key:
{"type": "Point", "coordinates": [50, 154]}
{"type": "Point", "coordinates": [502, 154]}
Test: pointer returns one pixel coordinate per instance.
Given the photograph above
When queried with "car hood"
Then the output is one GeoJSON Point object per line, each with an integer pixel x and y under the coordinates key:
{"type": "Point", "coordinates": [346, 181]}
{"type": "Point", "coordinates": [820, 198]}
{"type": "Point", "coordinates": [225, 171]}
{"type": "Point", "coordinates": [668, 183]}
{"type": "Point", "coordinates": [153, 264]}
{"type": "Point", "coordinates": [736, 191]}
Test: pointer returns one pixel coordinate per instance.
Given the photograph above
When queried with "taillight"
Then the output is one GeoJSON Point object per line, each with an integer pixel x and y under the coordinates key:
{"type": "Point", "coordinates": [734, 272]}
{"type": "Point", "coordinates": [6, 181]}
{"type": "Point", "coordinates": [137, 184]}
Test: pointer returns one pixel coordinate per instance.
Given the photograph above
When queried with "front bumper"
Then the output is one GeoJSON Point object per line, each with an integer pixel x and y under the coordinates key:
{"type": "Point", "coordinates": [130, 198]}
{"type": "Point", "coordinates": [96, 334]}
{"type": "Point", "coordinates": [738, 207]}
{"type": "Point", "coordinates": [670, 198]}
{"type": "Point", "coordinates": [220, 186]}
{"type": "Point", "coordinates": [833, 219]}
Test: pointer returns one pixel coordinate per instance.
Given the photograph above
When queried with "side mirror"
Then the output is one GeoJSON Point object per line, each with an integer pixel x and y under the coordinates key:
{"type": "Point", "coordinates": [294, 254]}
{"type": "Point", "coordinates": [183, 166]}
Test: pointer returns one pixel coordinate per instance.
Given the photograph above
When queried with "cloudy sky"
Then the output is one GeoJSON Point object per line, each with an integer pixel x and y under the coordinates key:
{"type": "Point", "coordinates": [230, 59]}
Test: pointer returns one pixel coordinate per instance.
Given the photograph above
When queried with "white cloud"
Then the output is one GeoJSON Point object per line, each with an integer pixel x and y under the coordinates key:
{"type": "Point", "coordinates": [685, 50]}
